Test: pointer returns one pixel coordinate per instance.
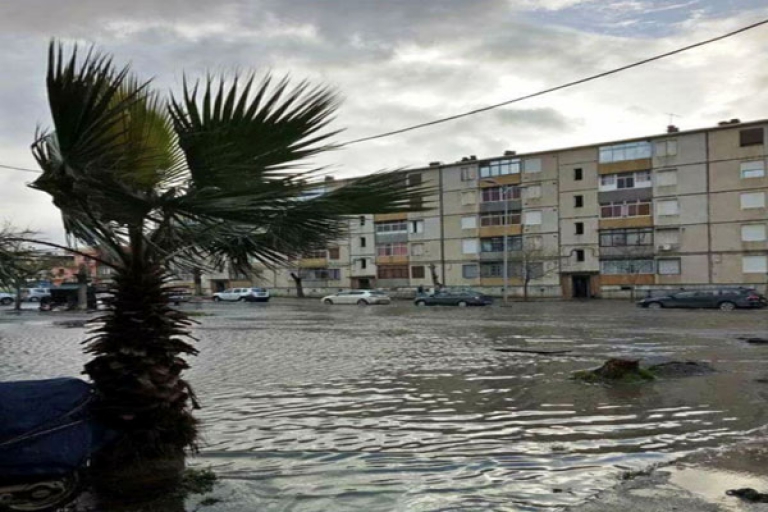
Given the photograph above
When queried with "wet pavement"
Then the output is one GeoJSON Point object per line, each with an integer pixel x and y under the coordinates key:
{"type": "Point", "coordinates": [310, 407]}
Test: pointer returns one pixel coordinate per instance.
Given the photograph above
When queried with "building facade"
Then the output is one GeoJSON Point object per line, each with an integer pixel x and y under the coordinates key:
{"type": "Point", "coordinates": [683, 209]}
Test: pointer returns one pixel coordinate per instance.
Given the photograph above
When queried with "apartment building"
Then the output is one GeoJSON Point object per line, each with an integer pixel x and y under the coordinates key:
{"type": "Point", "coordinates": [678, 209]}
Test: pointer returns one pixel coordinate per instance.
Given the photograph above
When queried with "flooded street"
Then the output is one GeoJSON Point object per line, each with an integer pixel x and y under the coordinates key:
{"type": "Point", "coordinates": [395, 408]}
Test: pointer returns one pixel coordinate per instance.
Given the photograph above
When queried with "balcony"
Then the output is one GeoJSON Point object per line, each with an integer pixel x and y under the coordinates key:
{"type": "Point", "coordinates": [489, 231]}
{"type": "Point", "coordinates": [498, 206]}
{"type": "Point", "coordinates": [313, 263]}
{"type": "Point", "coordinates": [389, 217]}
{"type": "Point", "coordinates": [390, 238]}
{"type": "Point", "coordinates": [392, 260]}
{"type": "Point", "coordinates": [627, 251]}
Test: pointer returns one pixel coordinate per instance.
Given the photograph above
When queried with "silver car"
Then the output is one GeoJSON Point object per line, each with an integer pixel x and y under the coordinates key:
{"type": "Point", "coordinates": [359, 297]}
{"type": "Point", "coordinates": [6, 299]}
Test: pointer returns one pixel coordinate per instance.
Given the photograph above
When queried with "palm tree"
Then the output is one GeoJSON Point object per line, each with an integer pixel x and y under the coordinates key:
{"type": "Point", "coordinates": [211, 176]}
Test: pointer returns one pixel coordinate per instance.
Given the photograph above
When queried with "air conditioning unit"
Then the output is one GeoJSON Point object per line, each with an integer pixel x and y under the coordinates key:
{"type": "Point", "coordinates": [665, 247]}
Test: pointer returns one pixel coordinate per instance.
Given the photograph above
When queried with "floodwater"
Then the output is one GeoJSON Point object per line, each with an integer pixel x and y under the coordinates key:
{"type": "Point", "coordinates": [396, 408]}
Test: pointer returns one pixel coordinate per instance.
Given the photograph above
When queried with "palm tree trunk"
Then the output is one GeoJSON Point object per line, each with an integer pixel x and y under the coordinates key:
{"type": "Point", "coordinates": [299, 287]}
{"type": "Point", "coordinates": [17, 305]}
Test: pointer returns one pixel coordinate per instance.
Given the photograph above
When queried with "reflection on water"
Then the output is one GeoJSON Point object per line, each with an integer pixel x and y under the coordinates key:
{"type": "Point", "coordinates": [396, 408]}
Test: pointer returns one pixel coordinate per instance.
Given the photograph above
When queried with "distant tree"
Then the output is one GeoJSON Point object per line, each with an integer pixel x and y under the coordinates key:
{"type": "Point", "coordinates": [532, 262]}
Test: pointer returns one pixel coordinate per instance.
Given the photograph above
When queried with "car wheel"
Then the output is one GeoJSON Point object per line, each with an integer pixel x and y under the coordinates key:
{"type": "Point", "coordinates": [362, 302]}
{"type": "Point", "coordinates": [421, 303]}
{"type": "Point", "coordinates": [654, 305]}
{"type": "Point", "coordinates": [34, 299]}
{"type": "Point", "coordinates": [463, 304]}
{"type": "Point", "coordinates": [216, 299]}
{"type": "Point", "coordinates": [328, 302]}
{"type": "Point", "coordinates": [727, 306]}
{"type": "Point", "coordinates": [6, 301]}
{"type": "Point", "coordinates": [241, 299]}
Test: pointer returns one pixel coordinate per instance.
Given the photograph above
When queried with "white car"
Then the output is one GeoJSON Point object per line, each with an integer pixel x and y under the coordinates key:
{"type": "Point", "coordinates": [359, 297]}
{"type": "Point", "coordinates": [6, 299]}
{"type": "Point", "coordinates": [243, 295]}
{"type": "Point", "coordinates": [36, 294]}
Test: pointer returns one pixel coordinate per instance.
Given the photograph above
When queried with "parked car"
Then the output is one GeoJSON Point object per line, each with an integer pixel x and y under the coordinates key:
{"type": "Point", "coordinates": [179, 295]}
{"type": "Point", "coordinates": [243, 295]}
{"type": "Point", "coordinates": [6, 299]}
{"type": "Point", "coordinates": [461, 298]}
{"type": "Point", "coordinates": [359, 297]}
{"type": "Point", "coordinates": [36, 294]}
{"type": "Point", "coordinates": [727, 299]}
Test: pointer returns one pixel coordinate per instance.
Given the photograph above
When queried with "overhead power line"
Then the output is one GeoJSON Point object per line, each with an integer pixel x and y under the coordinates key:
{"type": "Point", "coordinates": [558, 87]}
{"type": "Point", "coordinates": [521, 98]}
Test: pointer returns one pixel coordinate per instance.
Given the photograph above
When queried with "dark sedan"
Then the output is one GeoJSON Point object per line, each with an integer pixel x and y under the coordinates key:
{"type": "Point", "coordinates": [459, 298]}
{"type": "Point", "coordinates": [726, 299]}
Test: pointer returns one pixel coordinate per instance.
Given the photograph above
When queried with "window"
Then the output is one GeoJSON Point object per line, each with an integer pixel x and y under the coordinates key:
{"type": "Point", "coordinates": [533, 218]}
{"type": "Point", "coordinates": [579, 228]}
{"type": "Point", "coordinates": [469, 271]}
{"type": "Point", "coordinates": [578, 201]}
{"type": "Point", "coordinates": [496, 244]}
{"type": "Point", "coordinates": [497, 219]}
{"type": "Point", "coordinates": [416, 203]}
{"type": "Point", "coordinates": [753, 233]}
{"type": "Point", "coordinates": [533, 192]}
{"type": "Point", "coordinates": [668, 207]}
{"type": "Point", "coordinates": [322, 254]}
{"type": "Point", "coordinates": [468, 197]}
{"type": "Point", "coordinates": [752, 200]}
{"type": "Point", "coordinates": [578, 174]}
{"type": "Point", "coordinates": [393, 249]}
{"type": "Point", "coordinates": [639, 208]}
{"type": "Point", "coordinates": [398, 226]}
{"type": "Point", "coordinates": [532, 165]}
{"type": "Point", "coordinates": [469, 246]}
{"type": "Point", "coordinates": [417, 226]}
{"type": "Point", "coordinates": [494, 194]}
{"type": "Point", "coordinates": [618, 267]}
{"type": "Point", "coordinates": [333, 253]}
{"type": "Point", "coordinates": [750, 137]}
{"type": "Point", "coordinates": [668, 237]}
{"type": "Point", "coordinates": [468, 222]}
{"type": "Point", "coordinates": [579, 254]}
{"type": "Point", "coordinates": [500, 167]}
{"type": "Point", "coordinates": [417, 249]}
{"type": "Point", "coordinates": [669, 267]}
{"type": "Point", "coordinates": [362, 220]}
{"type": "Point", "coordinates": [626, 237]}
{"type": "Point", "coordinates": [392, 272]}
{"type": "Point", "coordinates": [491, 270]}
{"type": "Point", "coordinates": [753, 169]}
{"type": "Point", "coordinates": [363, 264]}
{"type": "Point", "coordinates": [414, 180]}
{"type": "Point", "coordinates": [362, 242]}
{"type": "Point", "coordinates": [754, 264]}
{"type": "Point", "coordinates": [666, 147]}
{"type": "Point", "coordinates": [467, 174]}
{"type": "Point", "coordinates": [666, 178]}
{"type": "Point", "coordinates": [320, 274]}
{"type": "Point", "coordinates": [417, 272]}
{"type": "Point", "coordinates": [628, 151]}
{"type": "Point", "coordinates": [639, 179]}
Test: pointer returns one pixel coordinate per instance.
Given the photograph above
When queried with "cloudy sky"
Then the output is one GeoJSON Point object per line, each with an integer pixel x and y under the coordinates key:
{"type": "Point", "coordinates": [401, 62]}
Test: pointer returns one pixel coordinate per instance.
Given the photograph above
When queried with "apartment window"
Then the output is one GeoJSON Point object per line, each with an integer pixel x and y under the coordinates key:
{"type": "Point", "coordinates": [666, 147]}
{"type": "Point", "coordinates": [666, 237]}
{"type": "Point", "coordinates": [497, 219]}
{"type": "Point", "coordinates": [578, 174]}
{"type": "Point", "coordinates": [496, 244]}
{"type": "Point", "coordinates": [754, 264]}
{"type": "Point", "coordinates": [362, 242]}
{"type": "Point", "coordinates": [666, 178]}
{"type": "Point", "coordinates": [363, 264]}
{"type": "Point", "coordinates": [500, 167]}
{"type": "Point", "coordinates": [392, 272]}
{"type": "Point", "coordinates": [469, 246]}
{"type": "Point", "coordinates": [417, 249]}
{"type": "Point", "coordinates": [629, 237]}
{"type": "Point", "coordinates": [398, 226]}
{"type": "Point", "coordinates": [668, 207]}
{"type": "Point", "coordinates": [494, 194]}
{"type": "Point", "coordinates": [579, 254]}
{"type": "Point", "coordinates": [417, 272]}
{"type": "Point", "coordinates": [578, 201]}
{"type": "Point", "coordinates": [320, 274]}
{"type": "Point", "coordinates": [669, 267]}
{"type": "Point", "coordinates": [752, 200]}
{"type": "Point", "coordinates": [750, 137]}
{"type": "Point", "coordinates": [393, 249]}
{"type": "Point", "coordinates": [533, 192]}
{"type": "Point", "coordinates": [469, 271]}
{"type": "Point", "coordinates": [579, 228]}
{"type": "Point", "coordinates": [753, 233]}
{"type": "Point", "coordinates": [468, 197]}
{"type": "Point", "coordinates": [362, 220]}
{"type": "Point", "coordinates": [639, 208]}
{"type": "Point", "coordinates": [619, 267]}
{"type": "Point", "coordinates": [639, 179]}
{"type": "Point", "coordinates": [533, 218]}
{"type": "Point", "coordinates": [469, 222]}
{"type": "Point", "coordinates": [414, 180]}
{"type": "Point", "coordinates": [753, 169]}
{"type": "Point", "coordinates": [491, 269]}
{"type": "Point", "coordinates": [417, 226]}
{"type": "Point", "coordinates": [321, 254]}
{"type": "Point", "coordinates": [622, 152]}
{"type": "Point", "coordinates": [333, 253]}
{"type": "Point", "coordinates": [467, 174]}
{"type": "Point", "coordinates": [532, 165]}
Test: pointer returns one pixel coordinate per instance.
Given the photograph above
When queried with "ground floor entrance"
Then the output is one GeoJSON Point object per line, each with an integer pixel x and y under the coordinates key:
{"type": "Point", "coordinates": [362, 283]}
{"type": "Point", "coordinates": [580, 286]}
